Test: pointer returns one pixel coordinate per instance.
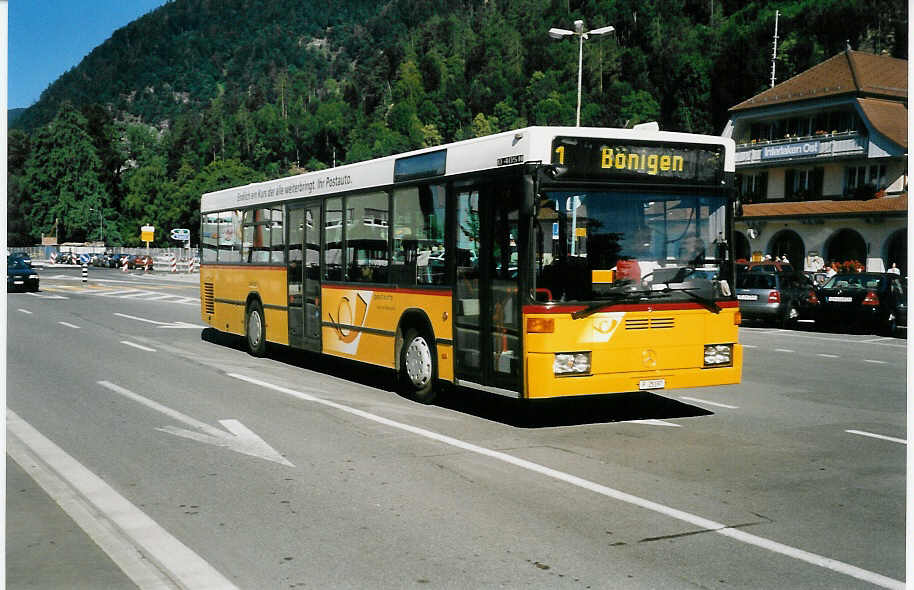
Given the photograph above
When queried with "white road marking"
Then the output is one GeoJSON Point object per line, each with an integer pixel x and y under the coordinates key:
{"type": "Point", "coordinates": [652, 422]}
{"type": "Point", "coordinates": [783, 350]}
{"type": "Point", "coordinates": [875, 362]}
{"type": "Point", "coordinates": [25, 311]}
{"type": "Point", "coordinates": [69, 325]}
{"type": "Point", "coordinates": [147, 553]}
{"type": "Point", "coordinates": [828, 356]}
{"type": "Point", "coordinates": [749, 346]}
{"type": "Point", "coordinates": [695, 520]}
{"type": "Point", "coordinates": [240, 438]}
{"type": "Point", "coordinates": [879, 436]}
{"type": "Point", "coordinates": [704, 401]}
{"type": "Point", "coordinates": [158, 323]}
{"type": "Point", "coordinates": [140, 346]}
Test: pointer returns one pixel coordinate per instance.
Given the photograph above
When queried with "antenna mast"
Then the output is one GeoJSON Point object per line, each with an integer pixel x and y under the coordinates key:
{"type": "Point", "coordinates": [774, 53]}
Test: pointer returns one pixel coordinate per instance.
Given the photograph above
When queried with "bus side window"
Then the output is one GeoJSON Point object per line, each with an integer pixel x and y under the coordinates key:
{"type": "Point", "coordinates": [419, 231]}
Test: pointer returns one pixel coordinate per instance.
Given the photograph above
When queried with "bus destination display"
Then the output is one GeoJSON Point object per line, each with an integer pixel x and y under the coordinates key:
{"type": "Point", "coordinates": [607, 159]}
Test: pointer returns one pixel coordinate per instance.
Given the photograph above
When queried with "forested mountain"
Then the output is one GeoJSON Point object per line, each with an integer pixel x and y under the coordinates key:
{"type": "Point", "coordinates": [202, 94]}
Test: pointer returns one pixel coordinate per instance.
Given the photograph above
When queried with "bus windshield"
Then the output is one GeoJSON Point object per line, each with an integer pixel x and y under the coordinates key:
{"type": "Point", "coordinates": [598, 245]}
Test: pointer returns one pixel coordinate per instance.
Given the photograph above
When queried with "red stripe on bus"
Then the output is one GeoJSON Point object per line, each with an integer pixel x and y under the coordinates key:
{"type": "Point", "coordinates": [241, 266]}
{"type": "Point", "coordinates": [529, 309]}
{"type": "Point", "coordinates": [356, 286]}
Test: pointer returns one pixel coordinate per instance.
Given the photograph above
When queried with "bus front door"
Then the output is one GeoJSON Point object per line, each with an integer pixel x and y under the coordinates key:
{"type": "Point", "coordinates": [487, 306]}
{"type": "Point", "coordinates": [304, 276]}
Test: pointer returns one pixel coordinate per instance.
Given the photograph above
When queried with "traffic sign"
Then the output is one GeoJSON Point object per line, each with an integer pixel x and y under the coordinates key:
{"type": "Point", "coordinates": [181, 234]}
{"type": "Point", "coordinates": [147, 232]}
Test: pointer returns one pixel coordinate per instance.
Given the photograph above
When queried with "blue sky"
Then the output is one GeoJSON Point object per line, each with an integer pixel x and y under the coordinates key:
{"type": "Point", "coordinates": [48, 37]}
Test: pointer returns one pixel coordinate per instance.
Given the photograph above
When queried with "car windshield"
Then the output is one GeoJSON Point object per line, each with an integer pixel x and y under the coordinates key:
{"type": "Point", "coordinates": [854, 281]}
{"type": "Point", "coordinates": [590, 242]}
{"type": "Point", "coordinates": [17, 263]}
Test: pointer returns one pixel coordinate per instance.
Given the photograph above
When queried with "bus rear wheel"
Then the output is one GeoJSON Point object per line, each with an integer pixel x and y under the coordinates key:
{"type": "Point", "coordinates": [255, 329]}
{"type": "Point", "coordinates": [418, 370]}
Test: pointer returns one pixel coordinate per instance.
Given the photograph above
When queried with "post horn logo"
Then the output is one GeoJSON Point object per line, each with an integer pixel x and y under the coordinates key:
{"type": "Point", "coordinates": [346, 313]}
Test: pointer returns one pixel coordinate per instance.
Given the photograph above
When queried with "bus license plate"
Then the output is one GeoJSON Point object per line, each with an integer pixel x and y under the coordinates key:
{"type": "Point", "coordinates": [652, 384]}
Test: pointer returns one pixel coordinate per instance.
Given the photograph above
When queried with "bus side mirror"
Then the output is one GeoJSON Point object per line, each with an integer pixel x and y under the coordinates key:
{"type": "Point", "coordinates": [529, 197]}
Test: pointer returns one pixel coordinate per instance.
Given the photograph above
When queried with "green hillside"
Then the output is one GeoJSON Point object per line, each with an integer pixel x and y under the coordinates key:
{"type": "Point", "coordinates": [200, 94]}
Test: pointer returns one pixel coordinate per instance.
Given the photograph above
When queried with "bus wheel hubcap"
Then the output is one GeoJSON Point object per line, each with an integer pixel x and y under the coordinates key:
{"type": "Point", "coordinates": [254, 328]}
{"type": "Point", "coordinates": [418, 362]}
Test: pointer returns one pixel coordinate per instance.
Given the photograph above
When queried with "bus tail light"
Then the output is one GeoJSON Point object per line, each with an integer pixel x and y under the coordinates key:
{"type": "Point", "coordinates": [774, 297]}
{"type": "Point", "coordinates": [871, 298]}
{"type": "Point", "coordinates": [540, 325]}
{"type": "Point", "coordinates": [718, 355]}
{"type": "Point", "coordinates": [571, 363]}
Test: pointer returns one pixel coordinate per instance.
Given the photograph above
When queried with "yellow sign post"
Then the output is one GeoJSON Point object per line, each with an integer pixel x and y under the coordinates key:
{"type": "Point", "coordinates": [147, 234]}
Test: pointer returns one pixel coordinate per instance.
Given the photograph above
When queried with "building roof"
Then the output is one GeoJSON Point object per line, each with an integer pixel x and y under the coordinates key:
{"type": "Point", "coordinates": [849, 72]}
{"type": "Point", "coordinates": [883, 206]}
{"type": "Point", "coordinates": [888, 117]}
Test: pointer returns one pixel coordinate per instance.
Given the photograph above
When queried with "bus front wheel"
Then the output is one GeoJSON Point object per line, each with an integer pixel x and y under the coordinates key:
{"type": "Point", "coordinates": [417, 367]}
{"type": "Point", "coordinates": [255, 329]}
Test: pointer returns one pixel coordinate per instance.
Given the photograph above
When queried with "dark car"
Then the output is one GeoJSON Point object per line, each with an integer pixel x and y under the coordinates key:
{"type": "Point", "coordinates": [781, 298]}
{"type": "Point", "coordinates": [20, 276]}
{"type": "Point", "coordinates": [22, 256]}
{"type": "Point", "coordinates": [871, 301]}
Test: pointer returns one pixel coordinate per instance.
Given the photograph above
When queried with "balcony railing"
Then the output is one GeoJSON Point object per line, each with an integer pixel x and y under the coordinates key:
{"type": "Point", "coordinates": [812, 147]}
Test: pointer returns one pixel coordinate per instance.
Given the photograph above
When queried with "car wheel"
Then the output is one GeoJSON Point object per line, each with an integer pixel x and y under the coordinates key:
{"type": "Point", "coordinates": [791, 316]}
{"type": "Point", "coordinates": [255, 329]}
{"type": "Point", "coordinates": [418, 367]}
{"type": "Point", "coordinates": [890, 327]}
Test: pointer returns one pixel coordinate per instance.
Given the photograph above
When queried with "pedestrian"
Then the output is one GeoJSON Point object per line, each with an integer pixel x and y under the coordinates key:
{"type": "Point", "coordinates": [894, 269]}
{"type": "Point", "coordinates": [784, 259]}
{"type": "Point", "coordinates": [831, 271]}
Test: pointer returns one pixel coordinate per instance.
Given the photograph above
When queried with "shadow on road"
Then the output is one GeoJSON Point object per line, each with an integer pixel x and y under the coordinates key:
{"type": "Point", "coordinates": [574, 411]}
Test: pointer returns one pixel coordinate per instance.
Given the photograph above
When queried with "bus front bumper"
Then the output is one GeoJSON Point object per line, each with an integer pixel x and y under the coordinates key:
{"type": "Point", "coordinates": [543, 383]}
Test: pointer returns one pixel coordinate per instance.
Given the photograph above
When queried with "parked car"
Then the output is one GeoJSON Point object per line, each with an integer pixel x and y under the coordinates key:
{"type": "Point", "coordinates": [871, 301]}
{"type": "Point", "coordinates": [141, 261]}
{"type": "Point", "coordinates": [782, 298]}
{"type": "Point", "coordinates": [20, 275]}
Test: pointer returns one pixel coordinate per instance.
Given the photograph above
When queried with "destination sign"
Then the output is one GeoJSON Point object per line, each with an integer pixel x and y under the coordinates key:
{"type": "Point", "coordinates": [610, 159]}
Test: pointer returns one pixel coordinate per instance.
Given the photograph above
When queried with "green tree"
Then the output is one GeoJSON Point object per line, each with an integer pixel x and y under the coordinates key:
{"type": "Point", "coordinates": [62, 174]}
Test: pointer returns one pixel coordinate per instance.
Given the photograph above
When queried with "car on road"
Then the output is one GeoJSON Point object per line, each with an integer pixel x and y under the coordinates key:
{"type": "Point", "coordinates": [782, 298]}
{"type": "Point", "coordinates": [20, 275]}
{"type": "Point", "coordinates": [872, 301]}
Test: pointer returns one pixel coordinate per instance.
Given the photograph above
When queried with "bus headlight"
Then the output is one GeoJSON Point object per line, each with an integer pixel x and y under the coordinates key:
{"type": "Point", "coordinates": [571, 363]}
{"type": "Point", "coordinates": [717, 355]}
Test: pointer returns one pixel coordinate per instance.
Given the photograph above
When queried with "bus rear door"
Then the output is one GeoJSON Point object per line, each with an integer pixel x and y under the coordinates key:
{"type": "Point", "coordinates": [304, 275]}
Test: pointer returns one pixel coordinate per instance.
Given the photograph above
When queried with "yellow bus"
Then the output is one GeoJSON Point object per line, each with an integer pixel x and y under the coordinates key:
{"type": "Point", "coordinates": [536, 263]}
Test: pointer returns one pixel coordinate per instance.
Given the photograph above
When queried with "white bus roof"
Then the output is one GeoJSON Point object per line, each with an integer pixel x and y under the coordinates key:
{"type": "Point", "coordinates": [531, 144]}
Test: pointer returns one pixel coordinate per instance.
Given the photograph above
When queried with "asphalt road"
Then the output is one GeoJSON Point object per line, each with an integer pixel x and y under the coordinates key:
{"type": "Point", "coordinates": [144, 450]}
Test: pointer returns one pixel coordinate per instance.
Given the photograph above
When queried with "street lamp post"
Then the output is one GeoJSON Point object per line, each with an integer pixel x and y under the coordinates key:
{"type": "Point", "coordinates": [579, 31]}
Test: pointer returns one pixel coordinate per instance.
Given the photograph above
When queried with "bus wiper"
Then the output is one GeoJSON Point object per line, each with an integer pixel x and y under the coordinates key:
{"type": "Point", "coordinates": [706, 302]}
{"type": "Point", "coordinates": [615, 295]}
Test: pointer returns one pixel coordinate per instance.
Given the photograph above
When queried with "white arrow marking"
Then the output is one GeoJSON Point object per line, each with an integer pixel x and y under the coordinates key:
{"type": "Point", "coordinates": [160, 324]}
{"type": "Point", "coordinates": [239, 438]}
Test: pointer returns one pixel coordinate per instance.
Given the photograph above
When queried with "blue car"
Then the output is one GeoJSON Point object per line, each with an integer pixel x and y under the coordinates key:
{"type": "Point", "coordinates": [20, 276]}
